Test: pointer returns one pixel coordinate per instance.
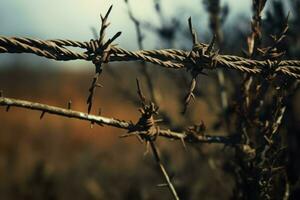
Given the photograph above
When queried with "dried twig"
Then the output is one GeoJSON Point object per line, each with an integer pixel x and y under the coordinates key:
{"type": "Point", "coordinates": [144, 68]}
{"type": "Point", "coordinates": [215, 23]}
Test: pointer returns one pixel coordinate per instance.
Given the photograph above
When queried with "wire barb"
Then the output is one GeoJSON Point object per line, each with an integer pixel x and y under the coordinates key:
{"type": "Point", "coordinates": [163, 170]}
{"type": "Point", "coordinates": [140, 93]}
{"type": "Point", "coordinates": [190, 95]}
{"type": "Point", "coordinates": [42, 114]}
{"type": "Point", "coordinates": [99, 52]}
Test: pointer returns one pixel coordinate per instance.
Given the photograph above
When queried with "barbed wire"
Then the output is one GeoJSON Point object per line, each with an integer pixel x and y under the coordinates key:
{"type": "Point", "coordinates": [169, 58]}
{"type": "Point", "coordinates": [201, 57]}
{"type": "Point", "coordinates": [99, 51]}
{"type": "Point", "coordinates": [187, 136]}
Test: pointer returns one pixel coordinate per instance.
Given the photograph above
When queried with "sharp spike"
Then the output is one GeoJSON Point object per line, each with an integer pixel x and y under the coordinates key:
{"type": "Point", "coordinates": [42, 115]}
{"type": "Point", "coordinates": [69, 104]}
{"type": "Point", "coordinates": [211, 44]}
{"type": "Point", "coordinates": [108, 12]}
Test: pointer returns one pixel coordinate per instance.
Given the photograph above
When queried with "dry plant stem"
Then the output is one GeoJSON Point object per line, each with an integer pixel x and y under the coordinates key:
{"type": "Point", "coordinates": [254, 95]}
{"type": "Point", "coordinates": [215, 26]}
{"type": "Point", "coordinates": [144, 69]}
{"type": "Point", "coordinates": [222, 88]}
{"type": "Point", "coordinates": [10, 102]}
{"type": "Point", "coordinates": [254, 40]}
{"type": "Point", "coordinates": [287, 189]}
{"type": "Point", "coordinates": [163, 170]}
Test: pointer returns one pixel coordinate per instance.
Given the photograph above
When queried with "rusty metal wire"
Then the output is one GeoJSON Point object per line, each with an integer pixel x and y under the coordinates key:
{"type": "Point", "coordinates": [100, 51]}
{"type": "Point", "coordinates": [169, 58]}
{"type": "Point", "coordinates": [201, 57]}
{"type": "Point", "coordinates": [185, 135]}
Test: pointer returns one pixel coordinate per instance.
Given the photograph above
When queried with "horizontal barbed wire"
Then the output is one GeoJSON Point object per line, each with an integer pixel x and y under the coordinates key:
{"type": "Point", "coordinates": [169, 58]}
{"type": "Point", "coordinates": [100, 120]}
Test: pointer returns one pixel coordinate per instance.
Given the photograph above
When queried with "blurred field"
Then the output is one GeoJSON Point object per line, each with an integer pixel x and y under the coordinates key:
{"type": "Point", "coordinates": [59, 158]}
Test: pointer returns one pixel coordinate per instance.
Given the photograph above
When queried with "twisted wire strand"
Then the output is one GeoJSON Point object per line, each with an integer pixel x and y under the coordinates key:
{"type": "Point", "coordinates": [169, 58]}
{"type": "Point", "coordinates": [100, 120]}
{"type": "Point", "coordinates": [139, 55]}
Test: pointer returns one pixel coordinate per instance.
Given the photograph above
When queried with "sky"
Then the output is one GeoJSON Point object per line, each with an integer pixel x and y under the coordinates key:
{"type": "Point", "coordinates": [73, 19]}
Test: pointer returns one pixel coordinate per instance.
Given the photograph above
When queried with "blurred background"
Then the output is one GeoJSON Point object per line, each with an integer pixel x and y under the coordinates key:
{"type": "Point", "coordinates": [60, 158]}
